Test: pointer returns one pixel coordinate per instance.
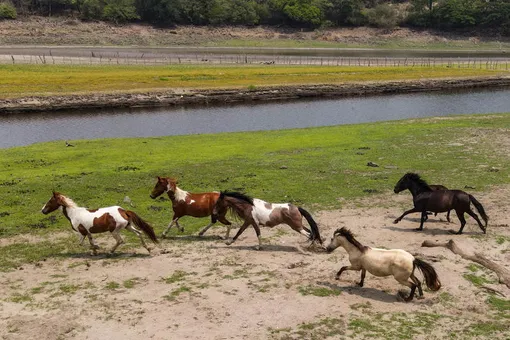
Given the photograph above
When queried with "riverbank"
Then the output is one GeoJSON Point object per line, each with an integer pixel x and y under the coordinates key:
{"type": "Point", "coordinates": [182, 95]}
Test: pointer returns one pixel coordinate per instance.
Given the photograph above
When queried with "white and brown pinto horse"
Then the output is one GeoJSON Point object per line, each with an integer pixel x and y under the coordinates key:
{"type": "Point", "coordinates": [383, 262]}
{"type": "Point", "coordinates": [256, 212]}
{"type": "Point", "coordinates": [88, 222]}
{"type": "Point", "coordinates": [188, 204]}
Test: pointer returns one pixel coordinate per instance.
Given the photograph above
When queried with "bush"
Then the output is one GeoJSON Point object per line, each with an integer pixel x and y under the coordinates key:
{"type": "Point", "coordinates": [91, 10]}
{"type": "Point", "coordinates": [7, 11]}
{"type": "Point", "coordinates": [383, 16]}
{"type": "Point", "coordinates": [120, 11]}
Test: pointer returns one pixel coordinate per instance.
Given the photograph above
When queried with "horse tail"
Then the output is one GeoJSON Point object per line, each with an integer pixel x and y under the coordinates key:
{"type": "Point", "coordinates": [146, 228]}
{"type": "Point", "coordinates": [429, 273]}
{"type": "Point", "coordinates": [314, 234]}
{"type": "Point", "coordinates": [480, 209]}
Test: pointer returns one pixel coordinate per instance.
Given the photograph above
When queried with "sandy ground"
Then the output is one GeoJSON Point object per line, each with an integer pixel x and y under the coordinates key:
{"type": "Point", "coordinates": [61, 31]}
{"type": "Point", "coordinates": [203, 289]}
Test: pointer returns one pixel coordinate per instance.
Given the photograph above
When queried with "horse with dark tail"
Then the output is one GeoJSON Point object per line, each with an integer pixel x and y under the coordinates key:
{"type": "Point", "coordinates": [314, 232]}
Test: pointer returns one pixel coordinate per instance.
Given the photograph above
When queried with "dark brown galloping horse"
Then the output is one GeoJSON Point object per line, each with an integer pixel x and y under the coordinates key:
{"type": "Point", "coordinates": [189, 204]}
{"type": "Point", "coordinates": [436, 187]}
{"type": "Point", "coordinates": [256, 212]}
{"type": "Point", "coordinates": [425, 199]}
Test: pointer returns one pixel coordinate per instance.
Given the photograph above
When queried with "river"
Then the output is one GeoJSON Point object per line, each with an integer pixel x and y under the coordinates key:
{"type": "Point", "coordinates": [25, 129]}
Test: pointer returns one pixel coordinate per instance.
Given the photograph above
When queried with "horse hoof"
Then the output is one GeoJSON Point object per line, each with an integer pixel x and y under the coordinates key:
{"type": "Point", "coordinates": [337, 277]}
{"type": "Point", "coordinates": [228, 242]}
{"type": "Point", "coordinates": [418, 229]}
{"type": "Point", "coordinates": [455, 232]}
{"type": "Point", "coordinates": [258, 248]}
{"type": "Point", "coordinates": [396, 221]}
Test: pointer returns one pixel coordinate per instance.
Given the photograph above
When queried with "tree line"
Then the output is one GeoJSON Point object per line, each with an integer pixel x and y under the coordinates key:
{"type": "Point", "coordinates": [493, 15]}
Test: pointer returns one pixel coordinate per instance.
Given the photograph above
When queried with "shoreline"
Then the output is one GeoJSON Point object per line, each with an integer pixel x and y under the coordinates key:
{"type": "Point", "coordinates": [185, 97]}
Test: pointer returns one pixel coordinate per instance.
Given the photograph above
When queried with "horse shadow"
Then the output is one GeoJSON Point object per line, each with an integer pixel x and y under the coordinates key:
{"type": "Point", "coordinates": [190, 238]}
{"type": "Point", "coordinates": [428, 231]}
{"type": "Point", "coordinates": [265, 248]}
{"type": "Point", "coordinates": [102, 256]}
{"type": "Point", "coordinates": [364, 292]}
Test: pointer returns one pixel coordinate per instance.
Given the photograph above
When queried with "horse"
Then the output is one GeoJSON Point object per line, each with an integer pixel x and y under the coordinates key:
{"type": "Point", "coordinates": [88, 222]}
{"type": "Point", "coordinates": [256, 212]}
{"type": "Point", "coordinates": [425, 199]}
{"type": "Point", "coordinates": [436, 187]}
{"type": "Point", "coordinates": [384, 262]}
{"type": "Point", "coordinates": [189, 204]}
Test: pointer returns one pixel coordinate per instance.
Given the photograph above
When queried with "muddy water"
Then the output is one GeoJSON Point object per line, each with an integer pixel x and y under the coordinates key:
{"type": "Point", "coordinates": [24, 129]}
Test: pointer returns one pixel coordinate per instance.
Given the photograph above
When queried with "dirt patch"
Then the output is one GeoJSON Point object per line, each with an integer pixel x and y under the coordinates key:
{"type": "Point", "coordinates": [202, 288]}
{"type": "Point", "coordinates": [61, 31]}
{"type": "Point", "coordinates": [181, 97]}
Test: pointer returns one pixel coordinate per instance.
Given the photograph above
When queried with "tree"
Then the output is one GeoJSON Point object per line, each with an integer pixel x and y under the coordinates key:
{"type": "Point", "coordinates": [344, 12]}
{"type": "Point", "coordinates": [159, 11]}
{"type": "Point", "coordinates": [119, 11]}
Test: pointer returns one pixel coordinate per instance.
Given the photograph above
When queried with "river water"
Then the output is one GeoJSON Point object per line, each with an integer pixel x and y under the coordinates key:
{"type": "Point", "coordinates": [24, 129]}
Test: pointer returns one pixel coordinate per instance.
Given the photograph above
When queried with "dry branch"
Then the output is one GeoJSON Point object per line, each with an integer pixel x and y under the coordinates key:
{"type": "Point", "coordinates": [502, 273]}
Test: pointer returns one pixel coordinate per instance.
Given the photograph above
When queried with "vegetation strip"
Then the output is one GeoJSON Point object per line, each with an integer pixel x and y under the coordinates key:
{"type": "Point", "coordinates": [197, 96]}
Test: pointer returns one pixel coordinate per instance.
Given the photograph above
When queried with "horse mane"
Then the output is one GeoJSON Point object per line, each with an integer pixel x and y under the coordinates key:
{"type": "Point", "coordinates": [66, 201]}
{"type": "Point", "coordinates": [236, 195]}
{"type": "Point", "coordinates": [418, 180]}
{"type": "Point", "coordinates": [350, 237]}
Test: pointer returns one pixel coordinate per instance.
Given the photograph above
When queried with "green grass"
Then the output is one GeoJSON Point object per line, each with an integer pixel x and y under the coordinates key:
{"type": "Point", "coordinates": [319, 291]}
{"type": "Point", "coordinates": [172, 296]}
{"type": "Point", "coordinates": [46, 80]}
{"type": "Point", "coordinates": [323, 165]}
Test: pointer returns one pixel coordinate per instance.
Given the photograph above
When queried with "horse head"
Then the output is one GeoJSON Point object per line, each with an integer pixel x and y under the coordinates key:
{"type": "Point", "coordinates": [343, 237]}
{"type": "Point", "coordinates": [164, 184]}
{"type": "Point", "coordinates": [230, 200]}
{"type": "Point", "coordinates": [53, 204]}
{"type": "Point", "coordinates": [403, 183]}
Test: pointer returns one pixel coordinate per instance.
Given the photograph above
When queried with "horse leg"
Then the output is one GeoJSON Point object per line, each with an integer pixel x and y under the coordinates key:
{"type": "Point", "coordinates": [181, 228]}
{"type": "Point", "coordinates": [239, 232]}
{"type": "Point", "coordinates": [460, 215]}
{"type": "Point", "coordinates": [418, 283]}
{"type": "Point", "coordinates": [405, 213]}
{"type": "Point", "coordinates": [411, 285]}
{"type": "Point", "coordinates": [204, 229]}
{"type": "Point", "coordinates": [337, 277]}
{"type": "Point", "coordinates": [257, 231]}
{"type": "Point", "coordinates": [363, 273]}
{"type": "Point", "coordinates": [227, 223]}
{"type": "Point", "coordinates": [174, 220]}
{"type": "Point", "coordinates": [139, 234]}
{"type": "Point", "coordinates": [93, 246]}
{"type": "Point", "coordinates": [475, 216]}
{"type": "Point", "coordinates": [448, 216]}
{"type": "Point", "coordinates": [118, 238]}
{"type": "Point", "coordinates": [423, 219]}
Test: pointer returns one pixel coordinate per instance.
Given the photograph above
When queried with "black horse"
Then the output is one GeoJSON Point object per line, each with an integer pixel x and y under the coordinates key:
{"type": "Point", "coordinates": [425, 199]}
{"type": "Point", "coordinates": [436, 187]}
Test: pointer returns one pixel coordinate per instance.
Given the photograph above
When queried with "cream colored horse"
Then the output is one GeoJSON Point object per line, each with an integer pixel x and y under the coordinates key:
{"type": "Point", "coordinates": [382, 262]}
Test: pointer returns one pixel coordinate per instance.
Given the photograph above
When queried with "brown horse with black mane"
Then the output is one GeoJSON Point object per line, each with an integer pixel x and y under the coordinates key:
{"type": "Point", "coordinates": [189, 204]}
{"type": "Point", "coordinates": [425, 199]}
{"type": "Point", "coordinates": [256, 212]}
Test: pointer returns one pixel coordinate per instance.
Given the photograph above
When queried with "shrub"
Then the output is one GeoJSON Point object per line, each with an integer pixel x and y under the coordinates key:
{"type": "Point", "coordinates": [383, 16]}
{"type": "Point", "coordinates": [7, 11]}
{"type": "Point", "coordinates": [91, 10]}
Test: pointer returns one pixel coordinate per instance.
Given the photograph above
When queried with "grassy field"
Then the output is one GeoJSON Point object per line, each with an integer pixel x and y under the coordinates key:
{"type": "Point", "coordinates": [320, 167]}
{"type": "Point", "coordinates": [47, 80]}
